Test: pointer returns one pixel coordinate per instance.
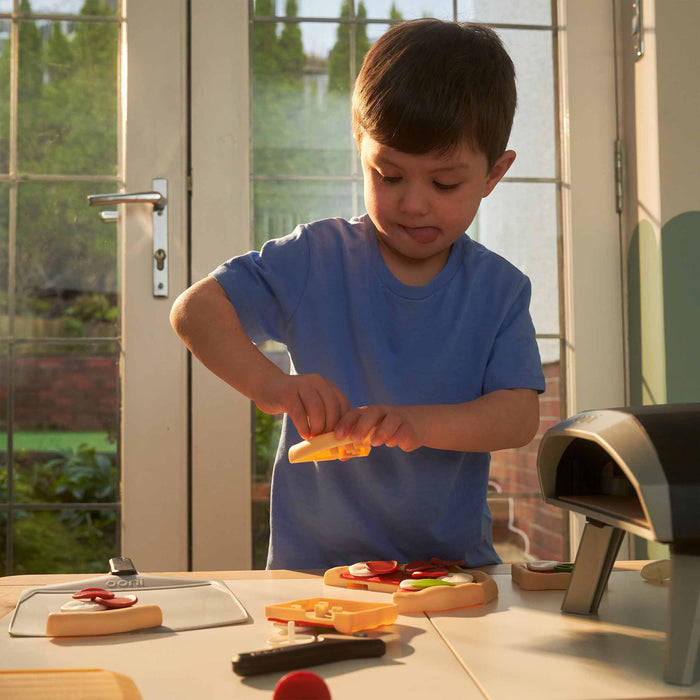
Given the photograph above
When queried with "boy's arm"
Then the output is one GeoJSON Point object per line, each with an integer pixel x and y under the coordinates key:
{"type": "Point", "coordinates": [502, 419]}
{"type": "Point", "coordinates": [208, 324]}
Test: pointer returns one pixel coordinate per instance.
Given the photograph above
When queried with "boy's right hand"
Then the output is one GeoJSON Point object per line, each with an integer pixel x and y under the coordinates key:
{"type": "Point", "coordinates": [314, 404]}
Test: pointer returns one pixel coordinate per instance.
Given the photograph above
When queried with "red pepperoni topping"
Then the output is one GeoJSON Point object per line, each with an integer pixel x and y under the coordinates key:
{"type": "Point", "coordinates": [93, 593]}
{"type": "Point", "coordinates": [430, 573]}
{"type": "Point", "coordinates": [382, 567]}
{"type": "Point", "coordinates": [114, 603]}
{"type": "Point", "coordinates": [418, 565]}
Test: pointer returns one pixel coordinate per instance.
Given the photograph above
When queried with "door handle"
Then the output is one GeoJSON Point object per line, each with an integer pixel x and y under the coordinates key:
{"type": "Point", "coordinates": [111, 216]}
{"type": "Point", "coordinates": [159, 199]}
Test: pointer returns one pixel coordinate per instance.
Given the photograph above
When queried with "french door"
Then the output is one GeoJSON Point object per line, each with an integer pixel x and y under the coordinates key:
{"type": "Point", "coordinates": [110, 440]}
{"type": "Point", "coordinates": [186, 435]}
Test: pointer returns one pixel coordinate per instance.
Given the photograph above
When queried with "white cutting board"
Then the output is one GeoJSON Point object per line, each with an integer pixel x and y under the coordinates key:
{"type": "Point", "coordinates": [186, 603]}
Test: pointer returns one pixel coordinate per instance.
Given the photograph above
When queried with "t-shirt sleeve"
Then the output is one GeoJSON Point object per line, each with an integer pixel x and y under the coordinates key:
{"type": "Point", "coordinates": [266, 287]}
{"type": "Point", "coordinates": [515, 362]}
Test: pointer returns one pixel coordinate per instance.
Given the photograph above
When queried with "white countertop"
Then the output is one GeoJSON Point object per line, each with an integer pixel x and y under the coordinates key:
{"type": "Point", "coordinates": [518, 647]}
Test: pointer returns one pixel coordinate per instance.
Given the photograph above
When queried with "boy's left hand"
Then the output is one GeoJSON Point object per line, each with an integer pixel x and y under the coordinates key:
{"type": "Point", "coordinates": [393, 426]}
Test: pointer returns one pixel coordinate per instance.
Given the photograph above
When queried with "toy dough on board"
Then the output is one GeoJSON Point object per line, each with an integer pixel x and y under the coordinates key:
{"type": "Point", "coordinates": [420, 586]}
{"type": "Point", "coordinates": [325, 447]}
{"type": "Point", "coordinates": [95, 611]}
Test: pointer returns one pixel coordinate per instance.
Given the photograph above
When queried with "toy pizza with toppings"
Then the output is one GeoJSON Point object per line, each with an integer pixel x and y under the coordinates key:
{"type": "Point", "coordinates": [542, 575]}
{"type": "Point", "coordinates": [418, 586]}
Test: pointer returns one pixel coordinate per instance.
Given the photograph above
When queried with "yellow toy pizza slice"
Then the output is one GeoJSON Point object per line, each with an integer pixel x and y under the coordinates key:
{"type": "Point", "coordinates": [325, 447]}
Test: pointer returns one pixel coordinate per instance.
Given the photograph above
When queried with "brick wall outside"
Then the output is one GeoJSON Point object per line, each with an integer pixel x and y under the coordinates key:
{"type": "Point", "coordinates": [528, 524]}
{"type": "Point", "coordinates": [70, 392]}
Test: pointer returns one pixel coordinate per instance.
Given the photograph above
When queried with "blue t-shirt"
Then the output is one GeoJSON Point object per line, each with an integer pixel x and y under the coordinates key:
{"type": "Point", "coordinates": [326, 293]}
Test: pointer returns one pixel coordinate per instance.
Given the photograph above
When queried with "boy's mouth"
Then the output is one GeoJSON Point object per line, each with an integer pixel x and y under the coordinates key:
{"type": "Point", "coordinates": [422, 234]}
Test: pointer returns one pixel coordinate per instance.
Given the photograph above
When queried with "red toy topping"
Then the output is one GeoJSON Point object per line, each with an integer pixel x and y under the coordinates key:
{"type": "Point", "coordinates": [301, 684]}
{"type": "Point", "coordinates": [430, 573]}
{"type": "Point", "coordinates": [93, 593]}
{"type": "Point", "coordinates": [114, 603]}
{"type": "Point", "coordinates": [435, 561]}
{"type": "Point", "coordinates": [382, 567]}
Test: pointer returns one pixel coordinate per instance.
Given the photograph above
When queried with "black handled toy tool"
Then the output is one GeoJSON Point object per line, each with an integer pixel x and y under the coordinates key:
{"type": "Point", "coordinates": [289, 658]}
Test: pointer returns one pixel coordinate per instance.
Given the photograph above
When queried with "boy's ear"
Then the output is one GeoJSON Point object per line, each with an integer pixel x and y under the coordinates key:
{"type": "Point", "coordinates": [500, 168]}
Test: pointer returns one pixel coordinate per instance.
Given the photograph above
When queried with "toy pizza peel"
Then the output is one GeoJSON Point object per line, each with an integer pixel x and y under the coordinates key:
{"type": "Point", "coordinates": [325, 447]}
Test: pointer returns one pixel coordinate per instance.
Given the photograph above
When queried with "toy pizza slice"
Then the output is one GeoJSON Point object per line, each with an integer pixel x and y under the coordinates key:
{"type": "Point", "coordinates": [325, 447]}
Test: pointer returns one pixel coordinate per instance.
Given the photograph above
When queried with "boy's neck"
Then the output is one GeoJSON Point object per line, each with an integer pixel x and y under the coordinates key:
{"type": "Point", "coordinates": [412, 272]}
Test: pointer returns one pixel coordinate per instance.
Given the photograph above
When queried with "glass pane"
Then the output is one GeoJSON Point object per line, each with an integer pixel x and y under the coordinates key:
{"type": "Point", "coordinates": [4, 260]}
{"type": "Point", "coordinates": [66, 401]}
{"type": "Point", "coordinates": [4, 569]}
{"type": "Point", "coordinates": [505, 11]}
{"type": "Point", "coordinates": [5, 5]}
{"type": "Point", "coordinates": [519, 221]}
{"type": "Point", "coordinates": [550, 354]}
{"type": "Point", "coordinates": [67, 109]}
{"type": "Point", "coordinates": [527, 528]}
{"type": "Point", "coordinates": [5, 26]}
{"type": "Point", "coordinates": [66, 276]}
{"type": "Point", "coordinates": [267, 433]}
{"type": "Point", "coordinates": [524, 527]}
{"type": "Point", "coordinates": [4, 398]}
{"type": "Point", "coordinates": [75, 7]}
{"type": "Point", "coordinates": [301, 98]}
{"type": "Point", "coordinates": [280, 206]}
{"type": "Point", "coordinates": [305, 8]}
{"type": "Point", "coordinates": [533, 134]}
{"type": "Point", "coordinates": [63, 541]}
{"type": "Point", "coordinates": [409, 9]}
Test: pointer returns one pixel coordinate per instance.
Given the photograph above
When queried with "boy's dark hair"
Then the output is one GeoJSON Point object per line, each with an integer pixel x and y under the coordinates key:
{"type": "Point", "coordinates": [430, 85]}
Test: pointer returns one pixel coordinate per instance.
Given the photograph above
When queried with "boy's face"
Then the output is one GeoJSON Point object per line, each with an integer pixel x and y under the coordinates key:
{"type": "Point", "coordinates": [421, 204]}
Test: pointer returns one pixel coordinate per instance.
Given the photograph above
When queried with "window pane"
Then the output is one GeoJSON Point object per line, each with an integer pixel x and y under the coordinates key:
{"type": "Point", "coordinates": [5, 5]}
{"type": "Point", "coordinates": [67, 109]}
{"type": "Point", "coordinates": [523, 525]}
{"type": "Point", "coordinates": [533, 133]}
{"type": "Point", "coordinates": [66, 400]}
{"type": "Point", "coordinates": [505, 11]}
{"type": "Point", "coordinates": [4, 398]}
{"type": "Point", "coordinates": [4, 262]}
{"type": "Point", "coordinates": [75, 7]}
{"type": "Point", "coordinates": [301, 113]}
{"type": "Point", "coordinates": [527, 528]}
{"type": "Point", "coordinates": [409, 9]}
{"type": "Point", "coordinates": [305, 8]}
{"type": "Point", "coordinates": [5, 26]}
{"type": "Point", "coordinates": [519, 221]}
{"type": "Point", "coordinates": [66, 276]}
{"type": "Point", "coordinates": [63, 541]}
{"type": "Point", "coordinates": [280, 206]}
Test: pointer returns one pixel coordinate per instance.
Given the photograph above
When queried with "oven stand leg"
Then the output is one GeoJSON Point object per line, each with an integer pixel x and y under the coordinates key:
{"type": "Point", "coordinates": [682, 645]}
{"type": "Point", "coordinates": [596, 554]}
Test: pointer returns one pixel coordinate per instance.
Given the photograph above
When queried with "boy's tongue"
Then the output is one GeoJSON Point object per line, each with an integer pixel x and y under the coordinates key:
{"type": "Point", "coordinates": [423, 234]}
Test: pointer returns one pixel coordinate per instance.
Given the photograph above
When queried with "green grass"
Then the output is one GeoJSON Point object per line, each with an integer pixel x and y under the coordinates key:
{"type": "Point", "coordinates": [53, 441]}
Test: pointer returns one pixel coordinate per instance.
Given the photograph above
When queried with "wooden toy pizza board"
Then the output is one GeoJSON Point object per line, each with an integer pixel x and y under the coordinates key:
{"type": "Point", "coordinates": [186, 603]}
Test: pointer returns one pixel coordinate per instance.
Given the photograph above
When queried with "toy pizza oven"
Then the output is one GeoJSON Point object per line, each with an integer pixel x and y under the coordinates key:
{"type": "Point", "coordinates": [632, 470]}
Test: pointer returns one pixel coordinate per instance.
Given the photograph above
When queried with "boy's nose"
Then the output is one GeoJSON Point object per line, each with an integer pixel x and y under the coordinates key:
{"type": "Point", "coordinates": [414, 200]}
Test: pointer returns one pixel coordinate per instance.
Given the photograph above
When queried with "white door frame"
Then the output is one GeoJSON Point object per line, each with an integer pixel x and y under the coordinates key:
{"type": "Point", "coordinates": [154, 367]}
{"type": "Point", "coordinates": [595, 365]}
{"type": "Point", "coordinates": [185, 470]}
{"type": "Point", "coordinates": [221, 418]}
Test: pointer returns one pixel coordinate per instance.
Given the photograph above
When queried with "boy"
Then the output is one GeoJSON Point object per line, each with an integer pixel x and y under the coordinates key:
{"type": "Point", "coordinates": [398, 325]}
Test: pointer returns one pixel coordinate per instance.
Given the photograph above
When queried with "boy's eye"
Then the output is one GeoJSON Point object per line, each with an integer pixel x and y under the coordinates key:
{"type": "Point", "coordinates": [445, 188]}
{"type": "Point", "coordinates": [387, 179]}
